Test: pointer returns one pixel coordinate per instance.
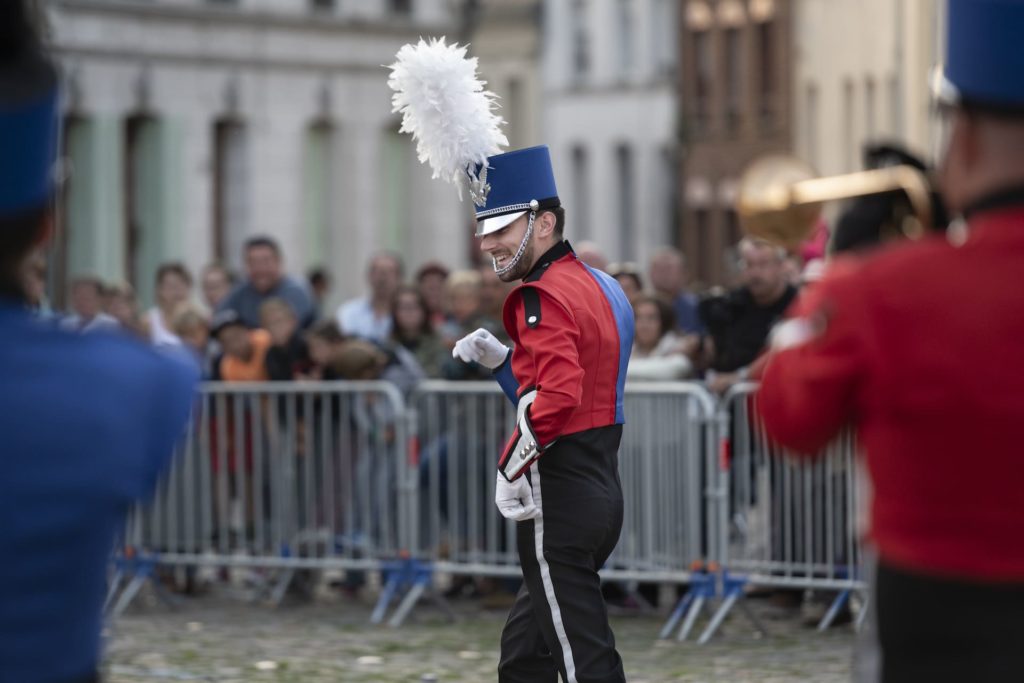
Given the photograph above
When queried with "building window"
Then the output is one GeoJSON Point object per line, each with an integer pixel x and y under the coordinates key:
{"type": "Point", "coordinates": [624, 173]}
{"type": "Point", "coordinates": [895, 107]}
{"type": "Point", "coordinates": [322, 5]}
{"type": "Point", "coordinates": [663, 33]}
{"type": "Point", "coordinates": [318, 191]}
{"type": "Point", "coordinates": [668, 174]}
{"type": "Point", "coordinates": [869, 110]}
{"type": "Point", "coordinates": [515, 114]}
{"type": "Point", "coordinates": [849, 140]}
{"type": "Point", "coordinates": [230, 190]}
{"type": "Point", "coordinates": [702, 75]}
{"type": "Point", "coordinates": [766, 69]}
{"type": "Point", "coordinates": [403, 7]}
{"type": "Point", "coordinates": [702, 242]}
{"type": "Point", "coordinates": [580, 39]}
{"type": "Point", "coordinates": [396, 188]}
{"type": "Point", "coordinates": [69, 255]}
{"type": "Point", "coordinates": [143, 248]}
{"type": "Point", "coordinates": [733, 79]}
{"type": "Point", "coordinates": [811, 124]}
{"type": "Point", "coordinates": [581, 191]}
{"type": "Point", "coordinates": [624, 21]}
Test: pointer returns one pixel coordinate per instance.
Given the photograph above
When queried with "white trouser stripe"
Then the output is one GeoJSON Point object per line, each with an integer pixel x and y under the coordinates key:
{"type": "Point", "coordinates": [545, 575]}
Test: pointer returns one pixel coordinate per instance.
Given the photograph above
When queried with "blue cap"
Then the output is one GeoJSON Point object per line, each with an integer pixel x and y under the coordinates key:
{"type": "Point", "coordinates": [984, 53]}
{"type": "Point", "coordinates": [515, 182]}
{"type": "Point", "coordinates": [28, 152]}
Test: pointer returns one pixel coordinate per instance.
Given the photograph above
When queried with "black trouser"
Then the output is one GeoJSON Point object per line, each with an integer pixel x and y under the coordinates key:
{"type": "Point", "coordinates": [933, 629]}
{"type": "Point", "coordinates": [559, 623]}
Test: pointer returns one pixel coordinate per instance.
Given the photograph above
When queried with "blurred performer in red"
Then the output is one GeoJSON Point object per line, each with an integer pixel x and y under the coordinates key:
{"type": "Point", "coordinates": [920, 347]}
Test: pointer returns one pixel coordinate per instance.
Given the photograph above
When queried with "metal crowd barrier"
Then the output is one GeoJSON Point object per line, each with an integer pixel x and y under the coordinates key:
{"type": "Point", "coordinates": [791, 521]}
{"type": "Point", "coordinates": [281, 477]}
{"type": "Point", "coordinates": [669, 443]}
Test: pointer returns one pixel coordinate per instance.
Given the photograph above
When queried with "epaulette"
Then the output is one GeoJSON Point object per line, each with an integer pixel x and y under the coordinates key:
{"type": "Point", "coordinates": [531, 306]}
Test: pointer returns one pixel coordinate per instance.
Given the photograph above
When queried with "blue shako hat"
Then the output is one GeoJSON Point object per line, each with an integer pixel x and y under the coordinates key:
{"type": "Point", "coordinates": [29, 123]}
{"type": "Point", "coordinates": [984, 56]}
{"type": "Point", "coordinates": [28, 152]}
{"type": "Point", "coordinates": [512, 184]}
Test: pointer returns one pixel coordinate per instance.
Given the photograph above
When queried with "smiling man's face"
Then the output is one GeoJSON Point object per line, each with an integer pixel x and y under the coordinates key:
{"type": "Point", "coordinates": [503, 244]}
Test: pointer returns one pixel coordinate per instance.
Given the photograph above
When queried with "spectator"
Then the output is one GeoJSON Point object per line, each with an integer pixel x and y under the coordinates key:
{"type": "Point", "coordinates": [739, 322]}
{"type": "Point", "coordinates": [173, 288]}
{"type": "Point", "coordinates": [123, 307]}
{"type": "Point", "coordinates": [324, 340]}
{"type": "Point", "coordinates": [668, 278]}
{"type": "Point", "coordinates": [193, 329]}
{"type": "Point", "coordinates": [466, 316]}
{"type": "Point", "coordinates": [217, 283]}
{"type": "Point", "coordinates": [288, 356]}
{"type": "Point", "coordinates": [431, 279]}
{"type": "Point", "coordinates": [658, 352]}
{"type": "Point", "coordinates": [34, 279]}
{"type": "Point", "coordinates": [591, 254]}
{"type": "Point", "coordinates": [411, 330]}
{"type": "Point", "coordinates": [338, 357]}
{"type": "Point", "coordinates": [245, 350]}
{"type": "Point", "coordinates": [265, 279]}
{"type": "Point", "coordinates": [369, 317]}
{"type": "Point", "coordinates": [628, 277]}
{"type": "Point", "coordinates": [87, 304]}
{"type": "Point", "coordinates": [319, 280]}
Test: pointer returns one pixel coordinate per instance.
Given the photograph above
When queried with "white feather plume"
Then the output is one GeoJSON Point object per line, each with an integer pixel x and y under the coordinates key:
{"type": "Point", "coordinates": [446, 108]}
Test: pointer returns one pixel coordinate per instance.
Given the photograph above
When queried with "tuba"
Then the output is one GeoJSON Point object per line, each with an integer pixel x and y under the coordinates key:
{"type": "Point", "coordinates": [780, 198]}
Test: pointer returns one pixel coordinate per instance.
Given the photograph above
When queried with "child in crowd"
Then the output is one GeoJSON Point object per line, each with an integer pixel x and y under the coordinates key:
{"type": "Point", "coordinates": [288, 356]}
{"type": "Point", "coordinates": [193, 329]}
{"type": "Point", "coordinates": [245, 350]}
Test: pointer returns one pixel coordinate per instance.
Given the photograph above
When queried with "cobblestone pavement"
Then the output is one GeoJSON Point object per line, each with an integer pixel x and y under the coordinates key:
{"type": "Point", "coordinates": [229, 640]}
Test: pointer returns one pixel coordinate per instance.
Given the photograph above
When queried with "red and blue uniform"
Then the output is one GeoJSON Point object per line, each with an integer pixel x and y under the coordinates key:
{"type": "Point", "coordinates": [573, 332]}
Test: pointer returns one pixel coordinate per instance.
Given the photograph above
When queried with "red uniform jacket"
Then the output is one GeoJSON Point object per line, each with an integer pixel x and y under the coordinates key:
{"type": "Point", "coordinates": [573, 332]}
{"type": "Point", "coordinates": [923, 349]}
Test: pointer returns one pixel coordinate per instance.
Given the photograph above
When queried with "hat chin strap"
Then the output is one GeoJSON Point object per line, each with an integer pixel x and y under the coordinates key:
{"type": "Point", "coordinates": [519, 252]}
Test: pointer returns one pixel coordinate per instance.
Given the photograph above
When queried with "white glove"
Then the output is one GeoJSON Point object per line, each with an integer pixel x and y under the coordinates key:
{"type": "Point", "coordinates": [481, 346]}
{"type": "Point", "coordinates": [515, 499]}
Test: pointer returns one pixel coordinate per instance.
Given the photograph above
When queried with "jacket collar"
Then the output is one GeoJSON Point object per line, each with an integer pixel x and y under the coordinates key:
{"type": "Point", "coordinates": [553, 254]}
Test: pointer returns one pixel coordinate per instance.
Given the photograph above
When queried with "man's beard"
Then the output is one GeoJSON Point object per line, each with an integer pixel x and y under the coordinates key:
{"type": "Point", "coordinates": [522, 267]}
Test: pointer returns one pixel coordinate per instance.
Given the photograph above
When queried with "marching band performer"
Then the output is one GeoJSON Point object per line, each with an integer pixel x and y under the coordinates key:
{"type": "Point", "coordinates": [87, 422]}
{"type": "Point", "coordinates": [572, 329]}
{"type": "Point", "coordinates": [920, 347]}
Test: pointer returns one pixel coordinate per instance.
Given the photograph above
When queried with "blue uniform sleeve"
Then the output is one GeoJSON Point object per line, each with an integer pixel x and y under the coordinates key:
{"type": "Point", "coordinates": [507, 380]}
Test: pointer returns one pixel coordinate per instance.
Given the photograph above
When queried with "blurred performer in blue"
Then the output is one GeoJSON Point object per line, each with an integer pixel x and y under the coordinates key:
{"type": "Point", "coordinates": [920, 347]}
{"type": "Point", "coordinates": [87, 423]}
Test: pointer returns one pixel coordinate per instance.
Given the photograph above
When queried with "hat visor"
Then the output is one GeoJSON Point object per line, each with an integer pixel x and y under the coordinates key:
{"type": "Point", "coordinates": [489, 225]}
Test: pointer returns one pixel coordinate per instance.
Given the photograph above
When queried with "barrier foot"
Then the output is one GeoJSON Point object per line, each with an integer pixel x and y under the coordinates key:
{"type": "Point", "coordinates": [141, 570]}
{"type": "Point", "coordinates": [862, 614]}
{"type": "Point", "coordinates": [115, 586]}
{"type": "Point", "coordinates": [416, 578]}
{"type": "Point", "coordinates": [691, 618]}
{"type": "Point", "coordinates": [717, 619]}
{"type": "Point", "coordinates": [732, 590]}
{"type": "Point", "coordinates": [677, 613]}
{"type": "Point", "coordinates": [833, 610]}
{"type": "Point", "coordinates": [391, 586]}
{"type": "Point", "coordinates": [280, 586]}
{"type": "Point", "coordinates": [408, 602]}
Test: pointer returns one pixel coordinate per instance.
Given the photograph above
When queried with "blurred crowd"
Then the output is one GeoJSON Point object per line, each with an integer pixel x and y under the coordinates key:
{"type": "Point", "coordinates": [267, 325]}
